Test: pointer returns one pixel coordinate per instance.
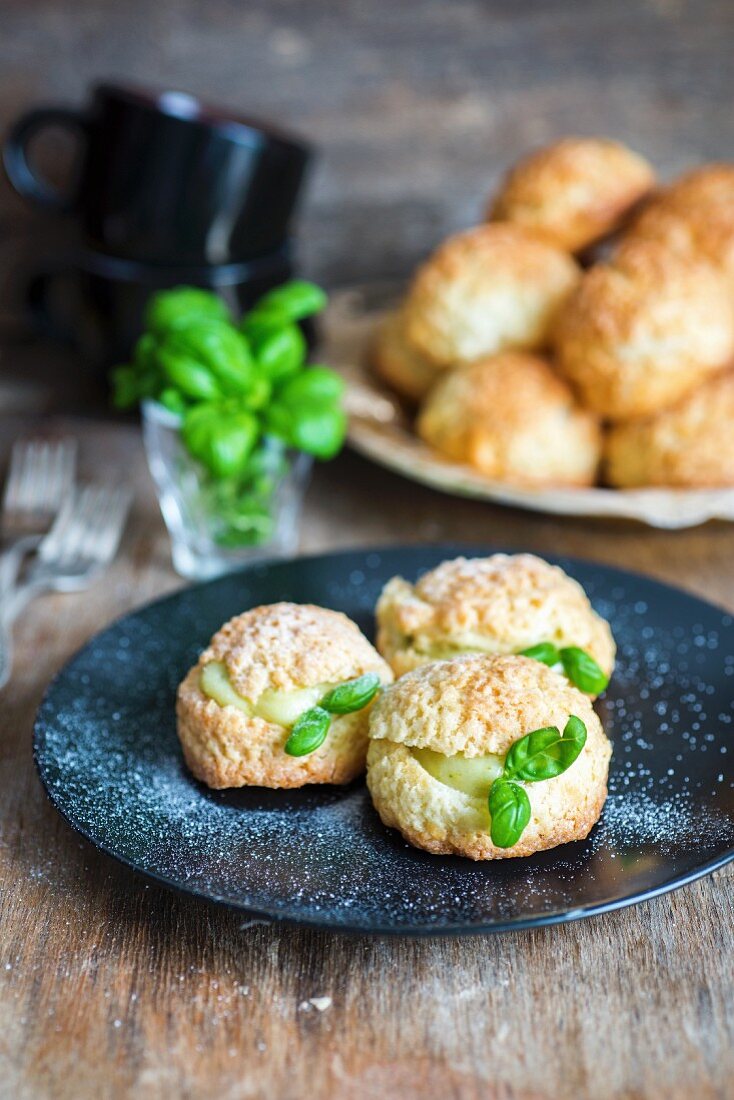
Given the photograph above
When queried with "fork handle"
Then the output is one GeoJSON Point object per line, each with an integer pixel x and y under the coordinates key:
{"type": "Point", "coordinates": [11, 558]}
{"type": "Point", "coordinates": [13, 602]}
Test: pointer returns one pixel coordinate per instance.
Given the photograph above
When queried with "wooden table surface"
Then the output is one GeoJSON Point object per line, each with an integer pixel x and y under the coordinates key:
{"type": "Point", "coordinates": [112, 986]}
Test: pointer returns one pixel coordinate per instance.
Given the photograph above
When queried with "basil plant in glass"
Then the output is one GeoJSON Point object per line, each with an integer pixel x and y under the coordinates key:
{"type": "Point", "coordinates": [232, 417]}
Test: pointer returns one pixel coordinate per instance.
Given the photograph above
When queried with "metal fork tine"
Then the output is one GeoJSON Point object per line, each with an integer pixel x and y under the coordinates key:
{"type": "Point", "coordinates": [42, 475]}
{"type": "Point", "coordinates": [22, 461]}
{"type": "Point", "coordinates": [52, 546]}
{"type": "Point", "coordinates": [60, 472]}
{"type": "Point", "coordinates": [88, 528]}
{"type": "Point", "coordinates": [84, 521]}
{"type": "Point", "coordinates": [90, 518]}
{"type": "Point", "coordinates": [106, 530]}
{"type": "Point", "coordinates": [16, 472]}
{"type": "Point", "coordinates": [39, 474]}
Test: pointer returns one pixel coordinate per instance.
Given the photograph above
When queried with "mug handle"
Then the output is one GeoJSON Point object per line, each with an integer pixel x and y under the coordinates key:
{"type": "Point", "coordinates": [15, 154]}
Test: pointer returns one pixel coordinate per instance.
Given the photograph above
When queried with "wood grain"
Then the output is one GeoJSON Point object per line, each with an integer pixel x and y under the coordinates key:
{"type": "Point", "coordinates": [113, 987]}
{"type": "Point", "coordinates": [110, 987]}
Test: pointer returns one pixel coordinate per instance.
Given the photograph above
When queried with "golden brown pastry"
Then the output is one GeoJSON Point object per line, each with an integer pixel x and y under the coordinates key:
{"type": "Point", "coordinates": [486, 290]}
{"type": "Point", "coordinates": [404, 368]}
{"type": "Point", "coordinates": [695, 217]}
{"type": "Point", "coordinates": [690, 445]}
{"type": "Point", "coordinates": [575, 191]}
{"type": "Point", "coordinates": [644, 330]}
{"type": "Point", "coordinates": [439, 740]}
{"type": "Point", "coordinates": [513, 419]}
{"type": "Point", "coordinates": [260, 673]}
{"type": "Point", "coordinates": [502, 604]}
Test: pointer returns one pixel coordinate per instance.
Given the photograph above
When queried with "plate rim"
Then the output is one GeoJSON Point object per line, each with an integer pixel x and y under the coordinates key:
{"type": "Point", "coordinates": [287, 917]}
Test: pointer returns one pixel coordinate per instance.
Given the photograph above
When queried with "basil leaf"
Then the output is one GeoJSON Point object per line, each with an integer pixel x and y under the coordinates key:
{"type": "Point", "coordinates": [316, 384]}
{"type": "Point", "coordinates": [262, 320]}
{"type": "Point", "coordinates": [309, 732]}
{"type": "Point", "coordinates": [319, 430]}
{"type": "Point", "coordinates": [125, 387]}
{"type": "Point", "coordinates": [545, 753]}
{"type": "Point", "coordinates": [583, 671]}
{"type": "Point", "coordinates": [281, 352]}
{"type": "Point", "coordinates": [296, 299]}
{"type": "Point", "coordinates": [545, 652]}
{"type": "Point", "coordinates": [352, 694]}
{"type": "Point", "coordinates": [188, 375]}
{"type": "Point", "coordinates": [509, 810]}
{"type": "Point", "coordinates": [169, 308]}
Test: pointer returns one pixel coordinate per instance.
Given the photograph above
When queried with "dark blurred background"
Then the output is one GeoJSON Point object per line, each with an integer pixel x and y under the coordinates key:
{"type": "Point", "coordinates": [416, 105]}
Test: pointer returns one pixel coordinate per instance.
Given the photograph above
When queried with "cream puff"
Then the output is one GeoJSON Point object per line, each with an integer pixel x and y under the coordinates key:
{"type": "Point", "coordinates": [485, 290]}
{"type": "Point", "coordinates": [503, 604]}
{"type": "Point", "coordinates": [280, 698]}
{"type": "Point", "coordinates": [643, 330]}
{"type": "Point", "coordinates": [573, 192]}
{"type": "Point", "coordinates": [512, 418]}
{"type": "Point", "coordinates": [690, 445]}
{"type": "Point", "coordinates": [694, 217]}
{"type": "Point", "coordinates": [400, 365]}
{"type": "Point", "coordinates": [487, 757]}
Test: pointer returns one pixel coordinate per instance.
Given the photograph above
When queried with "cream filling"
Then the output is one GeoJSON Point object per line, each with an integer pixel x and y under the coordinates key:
{"type": "Point", "coordinates": [473, 775]}
{"type": "Point", "coordinates": [445, 650]}
{"type": "Point", "coordinates": [282, 708]}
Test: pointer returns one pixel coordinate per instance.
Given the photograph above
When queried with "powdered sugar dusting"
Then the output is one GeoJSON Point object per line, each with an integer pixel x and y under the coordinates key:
{"type": "Point", "coordinates": [109, 755]}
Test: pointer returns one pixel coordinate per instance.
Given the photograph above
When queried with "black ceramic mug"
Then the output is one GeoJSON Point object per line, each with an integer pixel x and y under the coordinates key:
{"type": "Point", "coordinates": [95, 303]}
{"type": "Point", "coordinates": [162, 178]}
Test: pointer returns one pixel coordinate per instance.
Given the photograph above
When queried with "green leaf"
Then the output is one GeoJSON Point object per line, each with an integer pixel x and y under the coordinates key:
{"type": "Point", "coordinates": [352, 694]}
{"type": "Point", "coordinates": [230, 444]}
{"type": "Point", "coordinates": [316, 385]}
{"type": "Point", "coordinates": [144, 352]}
{"type": "Point", "coordinates": [545, 652]}
{"type": "Point", "coordinates": [259, 394]}
{"type": "Point", "coordinates": [218, 346]}
{"type": "Point", "coordinates": [545, 753]}
{"type": "Point", "coordinates": [221, 440]}
{"type": "Point", "coordinates": [296, 299]}
{"type": "Point", "coordinates": [509, 810]}
{"type": "Point", "coordinates": [169, 308]}
{"type": "Point", "coordinates": [281, 352]}
{"type": "Point", "coordinates": [583, 671]}
{"type": "Point", "coordinates": [192, 378]}
{"type": "Point", "coordinates": [309, 732]}
{"type": "Point", "coordinates": [173, 401]}
{"type": "Point", "coordinates": [319, 431]}
{"type": "Point", "coordinates": [125, 387]}
{"type": "Point", "coordinates": [260, 321]}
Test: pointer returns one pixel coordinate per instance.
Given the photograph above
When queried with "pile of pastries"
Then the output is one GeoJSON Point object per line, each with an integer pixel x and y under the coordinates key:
{"type": "Point", "coordinates": [473, 717]}
{"type": "Point", "coordinates": [584, 332]}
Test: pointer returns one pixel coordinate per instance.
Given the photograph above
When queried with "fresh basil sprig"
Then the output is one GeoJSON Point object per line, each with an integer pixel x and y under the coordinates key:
{"type": "Point", "coordinates": [545, 652]}
{"type": "Point", "coordinates": [509, 809]}
{"type": "Point", "coordinates": [579, 666]}
{"type": "Point", "coordinates": [240, 387]}
{"type": "Point", "coordinates": [312, 727]}
{"type": "Point", "coordinates": [352, 695]}
{"type": "Point", "coordinates": [541, 754]}
{"type": "Point", "coordinates": [545, 753]}
{"type": "Point", "coordinates": [583, 671]}
{"type": "Point", "coordinates": [309, 732]}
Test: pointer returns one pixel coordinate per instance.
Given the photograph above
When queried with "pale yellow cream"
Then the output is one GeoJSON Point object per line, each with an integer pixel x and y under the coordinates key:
{"type": "Point", "coordinates": [473, 775]}
{"type": "Point", "coordinates": [282, 708]}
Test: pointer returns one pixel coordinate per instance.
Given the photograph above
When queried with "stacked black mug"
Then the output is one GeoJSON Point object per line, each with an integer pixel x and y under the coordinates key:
{"type": "Point", "coordinates": [166, 192]}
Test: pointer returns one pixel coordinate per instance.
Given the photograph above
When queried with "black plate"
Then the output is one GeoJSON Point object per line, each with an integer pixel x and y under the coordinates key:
{"type": "Point", "coordinates": [107, 753]}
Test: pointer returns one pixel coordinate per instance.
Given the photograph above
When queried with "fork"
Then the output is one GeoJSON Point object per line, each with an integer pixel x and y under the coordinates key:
{"type": "Point", "coordinates": [81, 543]}
{"type": "Point", "coordinates": [40, 477]}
